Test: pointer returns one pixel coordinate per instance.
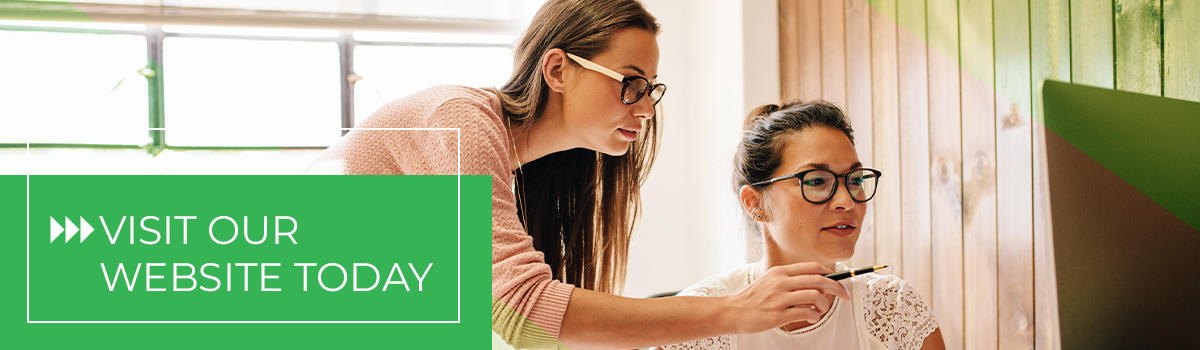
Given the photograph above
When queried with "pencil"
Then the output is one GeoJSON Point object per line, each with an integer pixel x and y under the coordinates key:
{"type": "Point", "coordinates": [851, 273]}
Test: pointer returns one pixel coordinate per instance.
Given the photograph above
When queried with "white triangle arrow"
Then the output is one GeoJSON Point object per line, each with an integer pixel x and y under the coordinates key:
{"type": "Point", "coordinates": [55, 229]}
{"type": "Point", "coordinates": [71, 229]}
{"type": "Point", "coordinates": [86, 229]}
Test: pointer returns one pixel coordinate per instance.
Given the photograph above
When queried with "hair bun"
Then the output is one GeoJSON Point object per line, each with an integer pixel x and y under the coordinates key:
{"type": "Point", "coordinates": [759, 113]}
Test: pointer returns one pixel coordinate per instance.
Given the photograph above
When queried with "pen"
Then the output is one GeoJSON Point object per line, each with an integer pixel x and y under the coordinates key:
{"type": "Point", "coordinates": [851, 273]}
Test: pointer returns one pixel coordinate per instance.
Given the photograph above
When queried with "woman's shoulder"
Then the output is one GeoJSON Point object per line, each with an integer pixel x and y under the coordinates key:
{"type": "Point", "coordinates": [720, 285]}
{"type": "Point", "coordinates": [438, 106]}
{"type": "Point", "coordinates": [884, 284]}
{"type": "Point", "coordinates": [894, 312]}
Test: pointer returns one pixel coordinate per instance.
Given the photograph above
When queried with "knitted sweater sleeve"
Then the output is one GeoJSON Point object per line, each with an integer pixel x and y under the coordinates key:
{"type": "Point", "coordinates": [527, 304]}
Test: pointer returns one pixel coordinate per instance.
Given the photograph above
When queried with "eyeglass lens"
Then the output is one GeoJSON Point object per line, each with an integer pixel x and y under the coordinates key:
{"type": "Point", "coordinates": [819, 186]}
{"type": "Point", "coordinates": [636, 88]}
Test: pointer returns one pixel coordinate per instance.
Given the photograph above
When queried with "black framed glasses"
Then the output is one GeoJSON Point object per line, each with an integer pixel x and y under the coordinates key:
{"type": "Point", "coordinates": [819, 185]}
{"type": "Point", "coordinates": [633, 88]}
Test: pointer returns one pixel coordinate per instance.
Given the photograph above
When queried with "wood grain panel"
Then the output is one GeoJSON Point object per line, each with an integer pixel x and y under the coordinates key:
{"type": "Point", "coordinates": [1139, 45]}
{"type": "Point", "coordinates": [979, 174]}
{"type": "Point", "coordinates": [886, 133]}
{"type": "Point", "coordinates": [808, 16]}
{"type": "Point", "coordinates": [833, 51]}
{"type": "Point", "coordinates": [914, 146]}
{"type": "Point", "coordinates": [789, 52]}
{"type": "Point", "coordinates": [1050, 46]}
{"type": "Point", "coordinates": [1014, 175]}
{"type": "Point", "coordinates": [858, 106]}
{"type": "Point", "coordinates": [1092, 42]}
{"type": "Point", "coordinates": [945, 154]}
{"type": "Point", "coordinates": [1181, 49]}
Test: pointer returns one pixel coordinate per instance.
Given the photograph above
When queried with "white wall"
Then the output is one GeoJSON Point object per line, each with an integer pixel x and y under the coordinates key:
{"type": "Point", "coordinates": [719, 59]}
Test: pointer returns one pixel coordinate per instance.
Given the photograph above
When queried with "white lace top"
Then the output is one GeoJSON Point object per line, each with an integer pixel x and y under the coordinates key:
{"type": "Point", "coordinates": [884, 313]}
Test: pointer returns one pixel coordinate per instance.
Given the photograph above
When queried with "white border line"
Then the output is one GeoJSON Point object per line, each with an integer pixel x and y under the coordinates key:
{"type": "Point", "coordinates": [28, 220]}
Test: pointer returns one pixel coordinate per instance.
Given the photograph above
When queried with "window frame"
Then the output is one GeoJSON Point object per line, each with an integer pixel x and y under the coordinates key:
{"type": "Point", "coordinates": [155, 36]}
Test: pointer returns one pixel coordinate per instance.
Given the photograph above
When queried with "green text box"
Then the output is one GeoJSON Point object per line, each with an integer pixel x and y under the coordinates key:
{"type": "Point", "coordinates": [384, 221]}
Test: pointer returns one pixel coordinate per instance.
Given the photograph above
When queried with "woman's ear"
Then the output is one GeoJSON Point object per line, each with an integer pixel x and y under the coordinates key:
{"type": "Point", "coordinates": [553, 63]}
{"type": "Point", "coordinates": [751, 202]}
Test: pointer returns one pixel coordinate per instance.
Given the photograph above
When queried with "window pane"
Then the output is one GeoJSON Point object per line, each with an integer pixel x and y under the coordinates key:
{"type": "Point", "coordinates": [200, 162]}
{"type": "Point", "coordinates": [66, 80]}
{"type": "Point", "coordinates": [259, 84]}
{"type": "Point", "coordinates": [392, 72]}
{"type": "Point", "coordinates": [271, 5]}
{"type": "Point", "coordinates": [517, 10]}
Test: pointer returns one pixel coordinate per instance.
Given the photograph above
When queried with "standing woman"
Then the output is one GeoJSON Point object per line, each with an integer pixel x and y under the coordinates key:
{"type": "Point", "coordinates": [568, 142]}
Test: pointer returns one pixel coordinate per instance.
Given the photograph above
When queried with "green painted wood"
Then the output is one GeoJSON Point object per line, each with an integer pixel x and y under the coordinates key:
{"type": "Point", "coordinates": [1181, 49]}
{"type": "Point", "coordinates": [945, 153]}
{"type": "Point", "coordinates": [1014, 174]}
{"type": "Point", "coordinates": [1139, 45]}
{"type": "Point", "coordinates": [979, 174]}
{"type": "Point", "coordinates": [1050, 45]}
{"type": "Point", "coordinates": [1092, 42]}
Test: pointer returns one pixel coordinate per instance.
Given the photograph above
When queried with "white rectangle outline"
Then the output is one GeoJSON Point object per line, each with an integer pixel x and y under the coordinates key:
{"type": "Point", "coordinates": [458, 183]}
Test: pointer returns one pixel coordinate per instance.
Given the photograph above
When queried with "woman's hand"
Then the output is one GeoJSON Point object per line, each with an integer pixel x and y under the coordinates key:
{"type": "Point", "coordinates": [784, 294]}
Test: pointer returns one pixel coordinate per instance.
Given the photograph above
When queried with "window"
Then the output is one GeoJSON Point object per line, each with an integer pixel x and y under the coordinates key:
{"type": "Point", "coordinates": [424, 65]}
{"type": "Point", "coordinates": [214, 83]}
{"type": "Point", "coordinates": [238, 99]}
{"type": "Point", "coordinates": [47, 84]}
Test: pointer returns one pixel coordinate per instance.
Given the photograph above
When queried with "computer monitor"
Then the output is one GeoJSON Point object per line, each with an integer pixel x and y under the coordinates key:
{"type": "Point", "coordinates": [1124, 192]}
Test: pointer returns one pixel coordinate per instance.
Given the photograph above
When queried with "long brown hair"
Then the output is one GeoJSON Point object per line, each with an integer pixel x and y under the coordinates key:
{"type": "Point", "coordinates": [579, 205]}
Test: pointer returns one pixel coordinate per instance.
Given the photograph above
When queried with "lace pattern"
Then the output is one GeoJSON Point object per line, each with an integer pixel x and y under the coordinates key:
{"type": "Point", "coordinates": [709, 287]}
{"type": "Point", "coordinates": [723, 342]}
{"type": "Point", "coordinates": [896, 314]}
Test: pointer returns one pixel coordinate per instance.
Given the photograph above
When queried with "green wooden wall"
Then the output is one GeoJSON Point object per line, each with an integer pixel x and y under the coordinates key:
{"type": "Point", "coordinates": [946, 95]}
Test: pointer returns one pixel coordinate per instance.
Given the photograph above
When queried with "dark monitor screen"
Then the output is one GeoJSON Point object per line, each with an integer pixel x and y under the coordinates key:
{"type": "Point", "coordinates": [1124, 190]}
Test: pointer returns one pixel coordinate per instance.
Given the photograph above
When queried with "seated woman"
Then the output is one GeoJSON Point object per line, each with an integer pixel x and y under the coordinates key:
{"type": "Point", "coordinates": [804, 192]}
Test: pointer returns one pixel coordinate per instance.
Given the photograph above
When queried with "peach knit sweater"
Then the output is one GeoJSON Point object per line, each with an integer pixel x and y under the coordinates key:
{"type": "Point", "coordinates": [527, 305]}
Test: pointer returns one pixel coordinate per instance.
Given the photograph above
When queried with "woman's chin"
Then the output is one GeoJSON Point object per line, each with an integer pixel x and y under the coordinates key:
{"type": "Point", "coordinates": [615, 150]}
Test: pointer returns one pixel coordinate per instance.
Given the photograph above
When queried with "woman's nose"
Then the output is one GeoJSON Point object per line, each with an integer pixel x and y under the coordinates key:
{"type": "Point", "coordinates": [842, 200]}
{"type": "Point", "coordinates": [643, 108]}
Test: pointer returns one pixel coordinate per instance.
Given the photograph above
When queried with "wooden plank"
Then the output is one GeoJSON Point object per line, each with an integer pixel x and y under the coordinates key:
{"type": "Point", "coordinates": [1181, 50]}
{"type": "Point", "coordinates": [945, 152]}
{"type": "Point", "coordinates": [1050, 44]}
{"type": "Point", "coordinates": [979, 174]}
{"type": "Point", "coordinates": [858, 106]}
{"type": "Point", "coordinates": [914, 146]}
{"type": "Point", "coordinates": [884, 112]}
{"type": "Point", "coordinates": [1014, 175]}
{"type": "Point", "coordinates": [789, 52]}
{"type": "Point", "coordinates": [1092, 42]}
{"type": "Point", "coordinates": [833, 51]}
{"type": "Point", "coordinates": [1139, 45]}
{"type": "Point", "coordinates": [808, 16]}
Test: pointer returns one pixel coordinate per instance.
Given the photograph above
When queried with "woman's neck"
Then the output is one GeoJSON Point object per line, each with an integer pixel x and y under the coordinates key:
{"type": "Point", "coordinates": [776, 256]}
{"type": "Point", "coordinates": [546, 135]}
{"type": "Point", "coordinates": [768, 262]}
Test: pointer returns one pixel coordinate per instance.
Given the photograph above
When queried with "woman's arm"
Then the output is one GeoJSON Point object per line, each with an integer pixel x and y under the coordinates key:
{"type": "Point", "coordinates": [783, 295]}
{"type": "Point", "coordinates": [934, 341]}
{"type": "Point", "coordinates": [528, 306]}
